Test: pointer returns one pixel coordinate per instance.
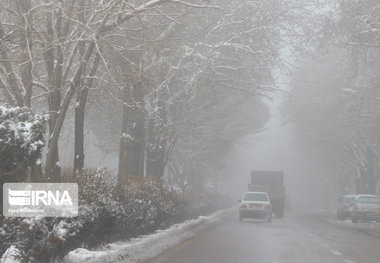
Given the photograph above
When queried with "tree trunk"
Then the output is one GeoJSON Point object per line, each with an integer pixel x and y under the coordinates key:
{"type": "Point", "coordinates": [155, 165]}
{"type": "Point", "coordinates": [52, 168]}
{"type": "Point", "coordinates": [80, 110]}
{"type": "Point", "coordinates": [79, 130]}
{"type": "Point", "coordinates": [51, 165]}
{"type": "Point", "coordinates": [123, 140]}
{"type": "Point", "coordinates": [156, 162]}
{"type": "Point", "coordinates": [80, 117]}
{"type": "Point", "coordinates": [132, 144]}
{"type": "Point", "coordinates": [26, 59]}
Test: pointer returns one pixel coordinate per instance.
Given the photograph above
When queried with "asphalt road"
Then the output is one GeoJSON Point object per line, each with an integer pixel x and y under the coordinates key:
{"type": "Point", "coordinates": [295, 239]}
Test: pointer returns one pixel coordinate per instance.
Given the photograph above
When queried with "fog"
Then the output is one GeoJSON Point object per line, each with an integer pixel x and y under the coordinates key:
{"type": "Point", "coordinates": [186, 98]}
{"type": "Point", "coordinates": [274, 149]}
{"type": "Point", "coordinates": [159, 111]}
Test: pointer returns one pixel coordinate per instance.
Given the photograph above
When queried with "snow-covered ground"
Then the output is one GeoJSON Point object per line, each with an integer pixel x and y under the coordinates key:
{"type": "Point", "coordinates": [10, 255]}
{"type": "Point", "coordinates": [371, 228]}
{"type": "Point", "coordinates": [145, 247]}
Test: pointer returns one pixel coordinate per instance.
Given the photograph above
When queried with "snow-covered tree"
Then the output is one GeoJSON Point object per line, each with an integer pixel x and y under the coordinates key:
{"type": "Point", "coordinates": [204, 61]}
{"type": "Point", "coordinates": [21, 142]}
{"type": "Point", "coordinates": [51, 51]}
{"type": "Point", "coordinates": [335, 112]}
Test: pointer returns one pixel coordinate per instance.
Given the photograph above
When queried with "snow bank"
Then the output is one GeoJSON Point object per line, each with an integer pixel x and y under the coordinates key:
{"type": "Point", "coordinates": [371, 228]}
{"type": "Point", "coordinates": [146, 247]}
{"type": "Point", "coordinates": [10, 255]}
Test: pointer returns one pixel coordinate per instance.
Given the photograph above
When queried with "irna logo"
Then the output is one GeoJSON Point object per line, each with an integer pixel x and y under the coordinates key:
{"type": "Point", "coordinates": [40, 199]}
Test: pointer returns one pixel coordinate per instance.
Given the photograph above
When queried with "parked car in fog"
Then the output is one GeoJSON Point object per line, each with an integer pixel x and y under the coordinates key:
{"type": "Point", "coordinates": [255, 205]}
{"type": "Point", "coordinates": [344, 207]}
{"type": "Point", "coordinates": [366, 208]}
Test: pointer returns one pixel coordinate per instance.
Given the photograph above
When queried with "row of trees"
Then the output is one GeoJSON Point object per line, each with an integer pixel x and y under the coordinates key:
{"type": "Point", "coordinates": [180, 79]}
{"type": "Point", "coordinates": [335, 100]}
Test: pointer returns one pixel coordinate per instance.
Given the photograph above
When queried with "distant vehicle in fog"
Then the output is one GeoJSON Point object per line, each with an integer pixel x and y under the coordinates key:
{"type": "Point", "coordinates": [255, 205]}
{"type": "Point", "coordinates": [344, 207]}
{"type": "Point", "coordinates": [272, 183]}
{"type": "Point", "coordinates": [366, 208]}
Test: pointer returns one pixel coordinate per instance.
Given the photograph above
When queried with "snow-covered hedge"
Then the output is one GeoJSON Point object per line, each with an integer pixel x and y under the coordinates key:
{"type": "Point", "coordinates": [21, 142]}
{"type": "Point", "coordinates": [106, 213]}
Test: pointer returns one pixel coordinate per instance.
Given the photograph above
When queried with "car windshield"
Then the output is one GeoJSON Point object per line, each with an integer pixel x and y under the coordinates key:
{"type": "Point", "coordinates": [255, 197]}
{"type": "Point", "coordinates": [369, 200]}
{"type": "Point", "coordinates": [349, 200]}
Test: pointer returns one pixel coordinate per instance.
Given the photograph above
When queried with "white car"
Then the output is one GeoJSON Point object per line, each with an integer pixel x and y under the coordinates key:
{"type": "Point", "coordinates": [345, 204]}
{"type": "Point", "coordinates": [366, 208]}
{"type": "Point", "coordinates": [255, 205]}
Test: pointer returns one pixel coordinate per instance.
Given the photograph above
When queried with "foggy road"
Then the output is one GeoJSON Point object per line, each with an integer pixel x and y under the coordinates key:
{"type": "Point", "coordinates": [295, 239]}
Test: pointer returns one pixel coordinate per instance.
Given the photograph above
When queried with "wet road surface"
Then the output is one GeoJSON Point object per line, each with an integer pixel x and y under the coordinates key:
{"type": "Point", "coordinates": [295, 239]}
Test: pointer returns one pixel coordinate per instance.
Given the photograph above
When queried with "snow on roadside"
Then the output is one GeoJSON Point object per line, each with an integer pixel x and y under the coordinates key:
{"type": "Point", "coordinates": [10, 255]}
{"type": "Point", "coordinates": [146, 247]}
{"type": "Point", "coordinates": [372, 228]}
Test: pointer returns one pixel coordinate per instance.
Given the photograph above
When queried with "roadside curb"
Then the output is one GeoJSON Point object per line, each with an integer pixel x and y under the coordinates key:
{"type": "Point", "coordinates": [146, 247]}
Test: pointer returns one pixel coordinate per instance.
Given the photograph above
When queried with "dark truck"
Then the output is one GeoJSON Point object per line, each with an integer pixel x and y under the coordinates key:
{"type": "Point", "coordinates": [272, 183]}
